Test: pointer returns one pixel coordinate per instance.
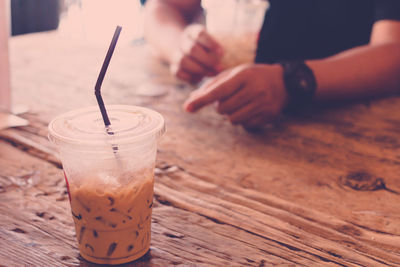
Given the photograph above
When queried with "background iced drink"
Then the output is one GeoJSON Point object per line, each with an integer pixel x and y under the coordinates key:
{"type": "Point", "coordinates": [111, 192]}
{"type": "Point", "coordinates": [235, 24]}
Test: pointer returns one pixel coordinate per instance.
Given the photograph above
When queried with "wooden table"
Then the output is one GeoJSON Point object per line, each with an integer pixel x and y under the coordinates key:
{"type": "Point", "coordinates": [320, 188]}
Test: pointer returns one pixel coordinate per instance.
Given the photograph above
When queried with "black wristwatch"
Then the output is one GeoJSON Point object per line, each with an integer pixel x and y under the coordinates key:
{"type": "Point", "coordinates": [300, 84]}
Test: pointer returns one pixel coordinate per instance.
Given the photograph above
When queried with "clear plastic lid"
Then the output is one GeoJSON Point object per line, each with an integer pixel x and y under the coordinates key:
{"type": "Point", "coordinates": [85, 127]}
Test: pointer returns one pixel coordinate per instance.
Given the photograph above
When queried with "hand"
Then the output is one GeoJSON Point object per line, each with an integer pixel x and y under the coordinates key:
{"type": "Point", "coordinates": [197, 56]}
{"type": "Point", "coordinates": [250, 95]}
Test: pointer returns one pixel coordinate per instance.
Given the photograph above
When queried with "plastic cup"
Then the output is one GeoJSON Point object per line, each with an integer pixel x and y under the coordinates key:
{"type": "Point", "coordinates": [110, 191]}
{"type": "Point", "coordinates": [235, 24]}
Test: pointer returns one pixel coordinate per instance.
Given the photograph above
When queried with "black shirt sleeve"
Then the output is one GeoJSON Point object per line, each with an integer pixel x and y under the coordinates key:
{"type": "Point", "coordinates": [387, 9]}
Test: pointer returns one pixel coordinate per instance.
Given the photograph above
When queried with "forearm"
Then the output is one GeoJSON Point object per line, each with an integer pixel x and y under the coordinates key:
{"type": "Point", "coordinates": [359, 72]}
{"type": "Point", "coordinates": [164, 25]}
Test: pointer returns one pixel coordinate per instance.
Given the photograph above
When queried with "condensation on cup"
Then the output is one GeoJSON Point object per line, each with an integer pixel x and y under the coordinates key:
{"type": "Point", "coordinates": [109, 178]}
{"type": "Point", "coordinates": [235, 24]}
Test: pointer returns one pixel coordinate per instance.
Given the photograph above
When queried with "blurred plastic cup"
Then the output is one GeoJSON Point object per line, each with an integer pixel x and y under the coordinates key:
{"type": "Point", "coordinates": [111, 194]}
{"type": "Point", "coordinates": [235, 24]}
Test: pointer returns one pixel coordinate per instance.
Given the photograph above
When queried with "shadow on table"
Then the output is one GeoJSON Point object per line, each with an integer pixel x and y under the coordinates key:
{"type": "Point", "coordinates": [145, 260]}
{"type": "Point", "coordinates": [325, 113]}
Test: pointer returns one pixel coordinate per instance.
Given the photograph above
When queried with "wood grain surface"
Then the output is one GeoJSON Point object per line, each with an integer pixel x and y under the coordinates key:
{"type": "Point", "coordinates": [318, 188]}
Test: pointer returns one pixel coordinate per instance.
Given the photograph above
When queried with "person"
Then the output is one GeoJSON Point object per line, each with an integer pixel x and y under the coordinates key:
{"type": "Point", "coordinates": [308, 51]}
{"type": "Point", "coordinates": [28, 16]}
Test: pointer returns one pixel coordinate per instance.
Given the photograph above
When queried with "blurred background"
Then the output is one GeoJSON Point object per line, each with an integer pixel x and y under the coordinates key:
{"type": "Point", "coordinates": [88, 20]}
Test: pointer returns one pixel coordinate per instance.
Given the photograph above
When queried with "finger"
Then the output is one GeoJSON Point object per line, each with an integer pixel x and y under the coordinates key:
{"type": "Point", "coordinates": [262, 118]}
{"type": "Point", "coordinates": [191, 66]}
{"type": "Point", "coordinates": [207, 41]}
{"type": "Point", "coordinates": [224, 86]}
{"type": "Point", "coordinates": [201, 36]}
{"type": "Point", "coordinates": [244, 114]}
{"type": "Point", "coordinates": [234, 102]}
{"type": "Point", "coordinates": [257, 122]}
{"type": "Point", "coordinates": [178, 71]}
{"type": "Point", "coordinates": [196, 79]}
{"type": "Point", "coordinates": [185, 76]}
{"type": "Point", "coordinates": [211, 82]}
{"type": "Point", "coordinates": [198, 53]}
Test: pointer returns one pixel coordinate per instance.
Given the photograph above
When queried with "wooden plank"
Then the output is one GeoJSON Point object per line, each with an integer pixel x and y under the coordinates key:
{"type": "Point", "coordinates": [37, 223]}
{"type": "Point", "coordinates": [278, 240]}
{"type": "Point", "coordinates": [310, 177]}
{"type": "Point", "coordinates": [304, 231]}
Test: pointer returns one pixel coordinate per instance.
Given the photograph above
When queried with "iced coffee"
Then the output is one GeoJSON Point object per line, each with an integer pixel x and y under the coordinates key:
{"type": "Point", "coordinates": [111, 190]}
{"type": "Point", "coordinates": [113, 224]}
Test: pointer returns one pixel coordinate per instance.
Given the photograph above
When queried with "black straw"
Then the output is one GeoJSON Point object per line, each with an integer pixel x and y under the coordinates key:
{"type": "Point", "coordinates": [102, 73]}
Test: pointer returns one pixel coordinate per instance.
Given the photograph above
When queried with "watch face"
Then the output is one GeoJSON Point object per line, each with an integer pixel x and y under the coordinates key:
{"type": "Point", "coordinates": [300, 82]}
{"type": "Point", "coordinates": [303, 83]}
